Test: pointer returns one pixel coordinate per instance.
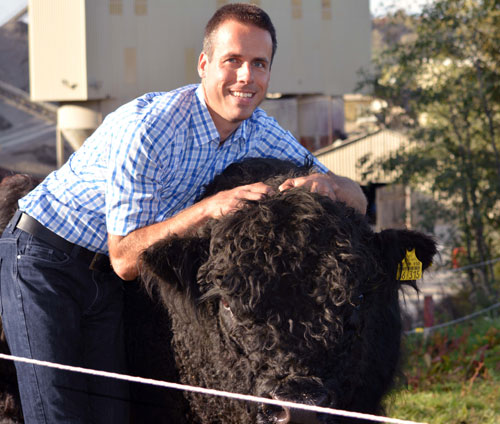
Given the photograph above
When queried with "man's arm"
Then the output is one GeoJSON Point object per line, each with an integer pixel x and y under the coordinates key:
{"type": "Point", "coordinates": [333, 186]}
{"type": "Point", "coordinates": [124, 251]}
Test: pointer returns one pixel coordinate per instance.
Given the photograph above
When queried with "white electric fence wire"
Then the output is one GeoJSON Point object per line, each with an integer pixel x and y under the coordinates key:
{"type": "Point", "coordinates": [466, 267]}
{"type": "Point", "coordinates": [212, 392]}
{"type": "Point", "coordinates": [455, 321]}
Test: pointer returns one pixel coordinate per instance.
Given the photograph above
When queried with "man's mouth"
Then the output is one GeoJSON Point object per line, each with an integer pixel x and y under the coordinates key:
{"type": "Point", "coordinates": [242, 94]}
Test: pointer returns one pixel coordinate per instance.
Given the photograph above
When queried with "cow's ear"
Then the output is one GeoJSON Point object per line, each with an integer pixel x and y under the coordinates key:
{"type": "Point", "coordinates": [172, 265]}
{"type": "Point", "coordinates": [394, 245]}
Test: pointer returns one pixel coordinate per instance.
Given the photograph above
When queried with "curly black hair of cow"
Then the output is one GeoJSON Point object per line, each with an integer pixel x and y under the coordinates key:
{"type": "Point", "coordinates": [293, 297]}
{"type": "Point", "coordinates": [12, 188]}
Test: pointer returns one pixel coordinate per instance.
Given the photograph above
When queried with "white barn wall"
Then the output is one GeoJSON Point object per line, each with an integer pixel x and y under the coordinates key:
{"type": "Point", "coordinates": [119, 49]}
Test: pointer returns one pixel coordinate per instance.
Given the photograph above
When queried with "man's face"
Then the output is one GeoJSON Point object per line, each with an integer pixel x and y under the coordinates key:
{"type": "Point", "coordinates": [236, 77]}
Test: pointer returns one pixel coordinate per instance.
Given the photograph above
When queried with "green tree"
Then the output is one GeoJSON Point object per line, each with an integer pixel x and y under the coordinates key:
{"type": "Point", "coordinates": [446, 83]}
{"type": "Point", "coordinates": [391, 29]}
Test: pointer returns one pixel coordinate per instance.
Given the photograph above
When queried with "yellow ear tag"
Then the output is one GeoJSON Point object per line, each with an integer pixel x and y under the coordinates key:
{"type": "Point", "coordinates": [410, 268]}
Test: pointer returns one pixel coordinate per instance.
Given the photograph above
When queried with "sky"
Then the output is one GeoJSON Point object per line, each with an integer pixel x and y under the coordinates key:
{"type": "Point", "coordinates": [381, 7]}
{"type": "Point", "coordinates": [9, 8]}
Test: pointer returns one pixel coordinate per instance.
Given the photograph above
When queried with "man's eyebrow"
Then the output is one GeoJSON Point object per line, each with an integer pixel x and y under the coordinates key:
{"type": "Point", "coordinates": [239, 56]}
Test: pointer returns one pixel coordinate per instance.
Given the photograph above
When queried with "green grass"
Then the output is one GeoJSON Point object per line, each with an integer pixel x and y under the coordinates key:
{"type": "Point", "coordinates": [453, 376]}
{"type": "Point", "coordinates": [449, 404]}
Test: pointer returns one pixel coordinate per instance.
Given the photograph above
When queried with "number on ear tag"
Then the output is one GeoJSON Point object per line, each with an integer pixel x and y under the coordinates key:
{"type": "Point", "coordinates": [410, 268]}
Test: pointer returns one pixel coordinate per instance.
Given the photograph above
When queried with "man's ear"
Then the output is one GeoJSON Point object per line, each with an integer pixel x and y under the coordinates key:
{"type": "Point", "coordinates": [202, 63]}
{"type": "Point", "coordinates": [171, 265]}
{"type": "Point", "coordinates": [393, 246]}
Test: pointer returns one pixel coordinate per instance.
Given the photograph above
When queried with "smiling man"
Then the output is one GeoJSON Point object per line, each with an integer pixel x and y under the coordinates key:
{"type": "Point", "coordinates": [235, 68]}
{"type": "Point", "coordinates": [133, 182]}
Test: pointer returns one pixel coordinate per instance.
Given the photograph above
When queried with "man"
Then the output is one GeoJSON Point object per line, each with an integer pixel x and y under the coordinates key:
{"type": "Point", "coordinates": [132, 183]}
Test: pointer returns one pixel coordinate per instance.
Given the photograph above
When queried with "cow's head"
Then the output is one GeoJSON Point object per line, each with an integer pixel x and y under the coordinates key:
{"type": "Point", "coordinates": [301, 294]}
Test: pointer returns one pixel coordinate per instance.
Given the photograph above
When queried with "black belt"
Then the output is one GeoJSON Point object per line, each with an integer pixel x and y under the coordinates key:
{"type": "Point", "coordinates": [94, 261]}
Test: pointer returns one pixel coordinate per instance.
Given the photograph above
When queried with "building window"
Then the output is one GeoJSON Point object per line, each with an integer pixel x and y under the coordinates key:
{"type": "Point", "coordinates": [326, 10]}
{"type": "Point", "coordinates": [296, 9]}
{"type": "Point", "coordinates": [116, 7]}
{"type": "Point", "coordinates": [141, 7]}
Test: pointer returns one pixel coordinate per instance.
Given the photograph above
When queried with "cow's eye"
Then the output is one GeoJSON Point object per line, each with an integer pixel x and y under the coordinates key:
{"type": "Point", "coordinates": [225, 304]}
{"type": "Point", "coordinates": [226, 312]}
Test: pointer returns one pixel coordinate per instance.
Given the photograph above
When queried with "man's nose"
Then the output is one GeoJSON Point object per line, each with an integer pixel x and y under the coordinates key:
{"type": "Point", "coordinates": [245, 73]}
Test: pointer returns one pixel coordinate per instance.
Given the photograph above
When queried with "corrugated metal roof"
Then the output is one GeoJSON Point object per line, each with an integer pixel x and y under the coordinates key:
{"type": "Point", "coordinates": [344, 158]}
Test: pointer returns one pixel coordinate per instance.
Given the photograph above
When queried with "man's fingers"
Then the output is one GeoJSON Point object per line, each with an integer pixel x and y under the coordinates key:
{"type": "Point", "coordinates": [290, 183]}
{"type": "Point", "coordinates": [229, 201]}
{"type": "Point", "coordinates": [255, 191]}
{"type": "Point", "coordinates": [257, 188]}
{"type": "Point", "coordinates": [316, 183]}
{"type": "Point", "coordinates": [251, 195]}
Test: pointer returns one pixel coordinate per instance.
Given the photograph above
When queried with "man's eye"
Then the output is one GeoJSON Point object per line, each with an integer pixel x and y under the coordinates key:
{"type": "Point", "coordinates": [259, 64]}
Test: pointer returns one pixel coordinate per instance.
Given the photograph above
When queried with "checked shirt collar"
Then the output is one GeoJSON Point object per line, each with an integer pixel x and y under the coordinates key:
{"type": "Point", "coordinates": [209, 132]}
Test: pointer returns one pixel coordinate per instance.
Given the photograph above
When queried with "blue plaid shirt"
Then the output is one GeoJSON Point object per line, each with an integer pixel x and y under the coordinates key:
{"type": "Point", "coordinates": [147, 161]}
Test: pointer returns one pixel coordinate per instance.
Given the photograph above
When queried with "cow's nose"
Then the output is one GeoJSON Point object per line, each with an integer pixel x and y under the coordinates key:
{"type": "Point", "coordinates": [297, 416]}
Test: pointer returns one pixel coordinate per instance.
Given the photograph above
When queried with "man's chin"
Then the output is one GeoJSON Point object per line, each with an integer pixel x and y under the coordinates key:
{"type": "Point", "coordinates": [243, 113]}
{"type": "Point", "coordinates": [240, 118]}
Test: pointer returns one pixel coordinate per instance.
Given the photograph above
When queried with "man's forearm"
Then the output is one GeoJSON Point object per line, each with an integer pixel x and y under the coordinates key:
{"type": "Point", "coordinates": [350, 192]}
{"type": "Point", "coordinates": [124, 251]}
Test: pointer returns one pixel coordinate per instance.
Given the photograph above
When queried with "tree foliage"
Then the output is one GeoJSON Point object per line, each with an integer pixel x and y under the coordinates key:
{"type": "Point", "coordinates": [445, 80]}
{"type": "Point", "coordinates": [391, 29]}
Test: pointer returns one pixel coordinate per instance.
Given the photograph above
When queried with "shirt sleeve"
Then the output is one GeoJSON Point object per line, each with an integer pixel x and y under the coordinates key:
{"type": "Point", "coordinates": [133, 179]}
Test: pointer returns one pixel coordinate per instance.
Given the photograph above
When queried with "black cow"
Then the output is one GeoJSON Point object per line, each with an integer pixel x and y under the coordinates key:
{"type": "Point", "coordinates": [293, 297]}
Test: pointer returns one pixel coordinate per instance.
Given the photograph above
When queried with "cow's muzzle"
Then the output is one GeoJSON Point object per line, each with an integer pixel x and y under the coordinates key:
{"type": "Point", "coordinates": [286, 415]}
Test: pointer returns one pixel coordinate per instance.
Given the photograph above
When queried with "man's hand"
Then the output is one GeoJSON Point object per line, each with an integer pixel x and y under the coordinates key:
{"type": "Point", "coordinates": [229, 201]}
{"type": "Point", "coordinates": [316, 183]}
{"type": "Point", "coordinates": [333, 186]}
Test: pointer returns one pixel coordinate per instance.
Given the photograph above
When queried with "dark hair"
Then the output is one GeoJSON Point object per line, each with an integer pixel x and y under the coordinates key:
{"type": "Point", "coordinates": [240, 12]}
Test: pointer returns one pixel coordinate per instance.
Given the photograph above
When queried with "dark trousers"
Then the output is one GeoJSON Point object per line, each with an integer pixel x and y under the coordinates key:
{"type": "Point", "coordinates": [55, 309]}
